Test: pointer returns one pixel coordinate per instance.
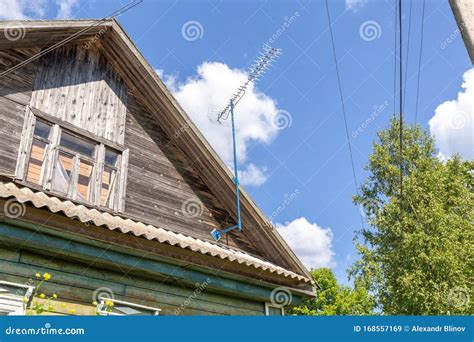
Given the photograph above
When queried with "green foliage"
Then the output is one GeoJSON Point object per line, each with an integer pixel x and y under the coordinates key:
{"type": "Point", "coordinates": [416, 254]}
{"type": "Point", "coordinates": [335, 299]}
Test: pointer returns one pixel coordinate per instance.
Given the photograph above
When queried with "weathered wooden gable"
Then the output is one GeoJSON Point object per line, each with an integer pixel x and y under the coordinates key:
{"type": "Point", "coordinates": [78, 85]}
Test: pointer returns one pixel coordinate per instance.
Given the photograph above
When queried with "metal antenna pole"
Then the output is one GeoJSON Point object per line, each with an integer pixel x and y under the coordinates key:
{"type": "Point", "coordinates": [236, 171]}
{"type": "Point", "coordinates": [262, 64]}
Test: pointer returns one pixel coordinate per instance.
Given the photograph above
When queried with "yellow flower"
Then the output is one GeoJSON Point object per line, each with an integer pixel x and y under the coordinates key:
{"type": "Point", "coordinates": [72, 311]}
{"type": "Point", "coordinates": [24, 300]}
{"type": "Point", "coordinates": [42, 296]}
{"type": "Point", "coordinates": [109, 303]}
{"type": "Point", "coordinates": [94, 303]}
{"type": "Point", "coordinates": [55, 295]}
{"type": "Point", "coordinates": [37, 275]}
{"type": "Point", "coordinates": [46, 276]}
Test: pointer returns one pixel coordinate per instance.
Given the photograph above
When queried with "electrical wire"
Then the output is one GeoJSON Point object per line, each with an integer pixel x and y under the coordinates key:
{"type": "Point", "coordinates": [408, 54]}
{"type": "Point", "coordinates": [342, 104]}
{"type": "Point", "coordinates": [66, 40]}
{"type": "Point", "coordinates": [419, 60]}
{"type": "Point", "coordinates": [401, 98]}
{"type": "Point", "coordinates": [395, 59]}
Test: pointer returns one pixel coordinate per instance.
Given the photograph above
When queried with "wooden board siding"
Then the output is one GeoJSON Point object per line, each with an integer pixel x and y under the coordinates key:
{"type": "Point", "coordinates": [15, 94]}
{"type": "Point", "coordinates": [75, 283]}
{"type": "Point", "coordinates": [78, 85]}
{"type": "Point", "coordinates": [161, 180]}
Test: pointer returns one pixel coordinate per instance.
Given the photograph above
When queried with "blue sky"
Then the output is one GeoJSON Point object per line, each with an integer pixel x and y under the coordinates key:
{"type": "Point", "coordinates": [201, 49]}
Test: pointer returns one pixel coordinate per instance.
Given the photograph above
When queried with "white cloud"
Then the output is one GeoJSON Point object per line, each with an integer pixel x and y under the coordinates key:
{"type": "Point", "coordinates": [65, 8]}
{"type": "Point", "coordinates": [35, 9]}
{"type": "Point", "coordinates": [311, 243]}
{"type": "Point", "coordinates": [453, 122]}
{"type": "Point", "coordinates": [21, 9]}
{"type": "Point", "coordinates": [255, 114]}
{"type": "Point", "coordinates": [355, 5]}
{"type": "Point", "coordinates": [252, 175]}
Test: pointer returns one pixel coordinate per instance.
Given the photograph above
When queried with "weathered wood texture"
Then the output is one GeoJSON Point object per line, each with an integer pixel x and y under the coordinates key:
{"type": "Point", "coordinates": [79, 86]}
{"type": "Point", "coordinates": [75, 283]}
{"type": "Point", "coordinates": [15, 94]}
{"type": "Point", "coordinates": [163, 185]}
{"type": "Point", "coordinates": [164, 188]}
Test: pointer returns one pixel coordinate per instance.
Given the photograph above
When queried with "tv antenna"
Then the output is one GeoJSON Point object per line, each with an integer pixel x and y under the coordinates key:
{"type": "Point", "coordinates": [256, 70]}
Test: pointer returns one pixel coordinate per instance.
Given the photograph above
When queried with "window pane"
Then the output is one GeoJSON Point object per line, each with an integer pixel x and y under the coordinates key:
{"type": "Point", "coordinates": [108, 182]}
{"type": "Point", "coordinates": [272, 311]}
{"type": "Point", "coordinates": [84, 181]}
{"type": "Point", "coordinates": [35, 164]}
{"type": "Point", "coordinates": [77, 145]}
{"type": "Point", "coordinates": [111, 157]}
{"type": "Point", "coordinates": [62, 173]}
{"type": "Point", "coordinates": [42, 129]}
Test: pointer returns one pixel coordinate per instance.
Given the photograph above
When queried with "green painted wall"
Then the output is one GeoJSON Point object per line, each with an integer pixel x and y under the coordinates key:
{"type": "Point", "coordinates": [75, 282]}
{"type": "Point", "coordinates": [78, 270]}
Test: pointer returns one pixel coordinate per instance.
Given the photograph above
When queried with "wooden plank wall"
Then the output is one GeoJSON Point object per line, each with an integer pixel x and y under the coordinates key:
{"type": "Point", "coordinates": [161, 179]}
{"type": "Point", "coordinates": [15, 94]}
{"type": "Point", "coordinates": [75, 283]}
{"type": "Point", "coordinates": [79, 86]}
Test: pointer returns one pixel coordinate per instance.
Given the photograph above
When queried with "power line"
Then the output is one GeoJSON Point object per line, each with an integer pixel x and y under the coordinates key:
{"type": "Point", "coordinates": [66, 40]}
{"type": "Point", "coordinates": [401, 98]}
{"type": "Point", "coordinates": [395, 60]}
{"type": "Point", "coordinates": [419, 61]}
{"type": "Point", "coordinates": [342, 104]}
{"type": "Point", "coordinates": [408, 54]}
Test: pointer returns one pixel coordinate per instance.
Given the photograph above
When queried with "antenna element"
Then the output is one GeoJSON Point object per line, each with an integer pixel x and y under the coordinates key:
{"type": "Point", "coordinates": [256, 70]}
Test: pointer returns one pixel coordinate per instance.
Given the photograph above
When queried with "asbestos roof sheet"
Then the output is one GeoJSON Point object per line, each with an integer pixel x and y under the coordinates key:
{"type": "Point", "coordinates": [139, 229]}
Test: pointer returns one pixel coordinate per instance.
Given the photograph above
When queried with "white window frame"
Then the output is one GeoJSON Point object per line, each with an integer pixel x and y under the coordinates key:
{"type": "Point", "coordinates": [51, 154]}
{"type": "Point", "coordinates": [269, 305]}
{"type": "Point", "coordinates": [101, 307]}
{"type": "Point", "coordinates": [24, 301]}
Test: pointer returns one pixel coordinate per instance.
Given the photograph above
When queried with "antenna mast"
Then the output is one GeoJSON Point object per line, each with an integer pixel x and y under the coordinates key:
{"type": "Point", "coordinates": [256, 70]}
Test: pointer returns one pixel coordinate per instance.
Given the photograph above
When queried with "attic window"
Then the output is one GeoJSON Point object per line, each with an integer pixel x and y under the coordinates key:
{"type": "Point", "coordinates": [72, 163]}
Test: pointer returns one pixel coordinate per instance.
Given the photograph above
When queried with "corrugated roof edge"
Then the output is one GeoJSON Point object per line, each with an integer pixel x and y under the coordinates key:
{"type": "Point", "coordinates": [139, 229]}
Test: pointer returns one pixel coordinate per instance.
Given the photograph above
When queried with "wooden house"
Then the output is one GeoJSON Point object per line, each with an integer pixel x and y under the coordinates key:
{"type": "Point", "coordinates": [107, 186]}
